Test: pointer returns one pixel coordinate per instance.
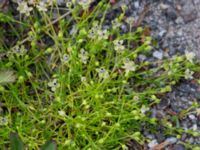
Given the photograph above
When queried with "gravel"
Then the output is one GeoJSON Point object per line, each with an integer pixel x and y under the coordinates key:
{"type": "Point", "coordinates": [175, 25]}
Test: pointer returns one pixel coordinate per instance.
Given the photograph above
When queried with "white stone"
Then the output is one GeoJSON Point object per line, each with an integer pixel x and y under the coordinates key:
{"type": "Point", "coordinates": [171, 140]}
{"type": "Point", "coordinates": [136, 4]}
{"type": "Point", "coordinates": [192, 117]}
{"type": "Point", "coordinates": [158, 55]}
{"type": "Point", "coordinates": [163, 6]}
{"type": "Point", "coordinates": [194, 127]}
{"type": "Point", "coordinates": [153, 143]}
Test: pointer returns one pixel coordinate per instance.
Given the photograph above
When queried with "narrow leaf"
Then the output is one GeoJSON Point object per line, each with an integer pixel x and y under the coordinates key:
{"type": "Point", "coordinates": [15, 141]}
{"type": "Point", "coordinates": [49, 145]}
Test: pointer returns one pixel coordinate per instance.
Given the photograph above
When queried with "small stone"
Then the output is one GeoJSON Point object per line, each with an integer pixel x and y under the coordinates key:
{"type": "Point", "coordinates": [179, 20]}
{"type": "Point", "coordinates": [179, 147]}
{"type": "Point", "coordinates": [171, 14]}
{"type": "Point", "coordinates": [190, 17]}
{"type": "Point", "coordinates": [60, 2]}
{"type": "Point", "coordinates": [191, 140]}
{"type": "Point", "coordinates": [158, 55]}
{"type": "Point", "coordinates": [184, 136]}
{"type": "Point", "coordinates": [171, 140]}
{"type": "Point", "coordinates": [153, 143]}
{"type": "Point", "coordinates": [162, 33]}
{"type": "Point", "coordinates": [142, 57]}
{"type": "Point", "coordinates": [160, 137]}
{"type": "Point", "coordinates": [196, 2]}
{"type": "Point", "coordinates": [164, 6]}
{"type": "Point", "coordinates": [178, 7]}
{"type": "Point", "coordinates": [195, 127]}
{"type": "Point", "coordinates": [164, 103]}
{"type": "Point", "coordinates": [136, 4]}
{"type": "Point", "coordinates": [150, 136]}
{"type": "Point", "coordinates": [192, 117]}
{"type": "Point", "coordinates": [124, 28]}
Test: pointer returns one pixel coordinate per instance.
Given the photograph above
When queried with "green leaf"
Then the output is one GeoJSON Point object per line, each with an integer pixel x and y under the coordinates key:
{"type": "Point", "coordinates": [4, 18]}
{"type": "Point", "coordinates": [49, 145]}
{"type": "Point", "coordinates": [15, 141]}
{"type": "Point", "coordinates": [7, 76]}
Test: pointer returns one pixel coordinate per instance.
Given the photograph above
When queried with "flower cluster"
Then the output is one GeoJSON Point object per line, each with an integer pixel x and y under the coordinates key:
{"type": "Point", "coordinates": [25, 7]}
{"type": "Point", "coordinates": [83, 56]}
{"type": "Point", "coordinates": [130, 20]}
{"type": "Point", "coordinates": [65, 59]}
{"type": "Point", "coordinates": [97, 33]}
{"type": "Point", "coordinates": [3, 121]}
{"type": "Point", "coordinates": [42, 6]}
{"type": "Point", "coordinates": [189, 74]}
{"type": "Point", "coordinates": [129, 66]}
{"type": "Point", "coordinates": [54, 85]}
{"type": "Point", "coordinates": [190, 56]}
{"type": "Point", "coordinates": [85, 4]}
{"type": "Point", "coordinates": [19, 50]}
{"type": "Point", "coordinates": [103, 73]}
{"type": "Point", "coordinates": [118, 45]}
{"type": "Point", "coordinates": [116, 23]}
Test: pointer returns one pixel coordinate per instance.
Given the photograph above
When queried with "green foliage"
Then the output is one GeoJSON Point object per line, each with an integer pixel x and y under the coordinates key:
{"type": "Point", "coordinates": [49, 145]}
{"type": "Point", "coordinates": [81, 84]}
{"type": "Point", "coordinates": [16, 143]}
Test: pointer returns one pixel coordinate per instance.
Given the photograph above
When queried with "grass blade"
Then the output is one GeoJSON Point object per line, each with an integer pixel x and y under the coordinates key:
{"type": "Point", "coordinates": [16, 142]}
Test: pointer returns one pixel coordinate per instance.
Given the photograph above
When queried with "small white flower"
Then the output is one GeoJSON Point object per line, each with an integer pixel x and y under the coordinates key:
{"type": "Point", "coordinates": [198, 111]}
{"type": "Point", "coordinates": [102, 34]}
{"type": "Point", "coordinates": [129, 66]}
{"type": "Point", "coordinates": [31, 2]}
{"type": "Point", "coordinates": [24, 9]}
{"type": "Point", "coordinates": [69, 4]}
{"type": "Point", "coordinates": [42, 6]}
{"type": "Point", "coordinates": [144, 109]}
{"type": "Point", "coordinates": [136, 98]}
{"type": "Point", "coordinates": [118, 45]}
{"type": "Point", "coordinates": [116, 23]}
{"type": "Point", "coordinates": [65, 59]}
{"type": "Point", "coordinates": [54, 85]}
{"type": "Point", "coordinates": [19, 50]}
{"type": "Point", "coordinates": [83, 79]}
{"type": "Point", "coordinates": [188, 74]}
{"type": "Point", "coordinates": [85, 4]}
{"type": "Point", "coordinates": [50, 2]}
{"type": "Point", "coordinates": [83, 56]}
{"type": "Point", "coordinates": [95, 31]}
{"type": "Point", "coordinates": [130, 20]}
{"type": "Point", "coordinates": [103, 73]}
{"type": "Point", "coordinates": [190, 56]}
{"type": "Point", "coordinates": [61, 113]}
{"type": "Point", "coordinates": [3, 121]}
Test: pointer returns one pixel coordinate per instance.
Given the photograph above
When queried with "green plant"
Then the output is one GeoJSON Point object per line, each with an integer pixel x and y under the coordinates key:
{"type": "Point", "coordinates": [17, 144]}
{"type": "Point", "coordinates": [82, 82]}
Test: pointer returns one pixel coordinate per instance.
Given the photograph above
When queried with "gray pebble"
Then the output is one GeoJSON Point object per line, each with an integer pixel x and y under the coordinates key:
{"type": "Point", "coordinates": [152, 143]}
{"type": "Point", "coordinates": [194, 127]}
{"type": "Point", "coordinates": [162, 33]}
{"type": "Point", "coordinates": [179, 147]}
{"type": "Point", "coordinates": [158, 54]}
{"type": "Point", "coordinates": [192, 117]}
{"type": "Point", "coordinates": [142, 57]}
{"type": "Point", "coordinates": [171, 140]}
{"type": "Point", "coordinates": [136, 4]}
{"type": "Point", "coordinates": [163, 6]}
